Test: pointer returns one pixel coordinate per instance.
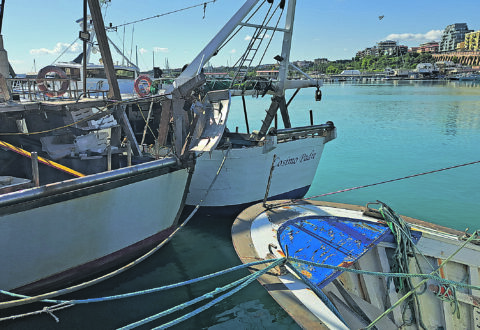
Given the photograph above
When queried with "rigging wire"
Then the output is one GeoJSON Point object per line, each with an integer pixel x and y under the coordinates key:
{"type": "Point", "coordinates": [203, 4]}
{"type": "Point", "coordinates": [256, 36]}
{"type": "Point", "coordinates": [240, 27]}
{"type": "Point", "coordinates": [64, 51]}
{"type": "Point", "coordinates": [271, 38]}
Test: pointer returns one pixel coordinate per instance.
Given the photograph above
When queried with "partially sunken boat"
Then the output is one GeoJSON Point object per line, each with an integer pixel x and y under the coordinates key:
{"type": "Point", "coordinates": [233, 168]}
{"type": "Point", "coordinates": [351, 267]}
{"type": "Point", "coordinates": [77, 194]}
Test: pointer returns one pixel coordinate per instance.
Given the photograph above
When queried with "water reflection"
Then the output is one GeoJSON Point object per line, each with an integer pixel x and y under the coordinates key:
{"type": "Point", "coordinates": [451, 121]}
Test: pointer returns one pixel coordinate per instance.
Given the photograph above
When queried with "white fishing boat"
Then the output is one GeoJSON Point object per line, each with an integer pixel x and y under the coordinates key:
{"type": "Point", "coordinates": [96, 80]}
{"type": "Point", "coordinates": [77, 194]}
{"type": "Point", "coordinates": [286, 157]}
{"type": "Point", "coordinates": [351, 267]}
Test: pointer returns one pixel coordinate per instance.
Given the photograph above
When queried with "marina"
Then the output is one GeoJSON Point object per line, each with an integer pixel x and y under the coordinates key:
{"type": "Point", "coordinates": [436, 198]}
{"type": "Point", "coordinates": [94, 186]}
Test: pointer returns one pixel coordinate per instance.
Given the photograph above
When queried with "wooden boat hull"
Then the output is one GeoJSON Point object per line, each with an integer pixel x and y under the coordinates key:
{"type": "Point", "coordinates": [63, 231]}
{"type": "Point", "coordinates": [360, 299]}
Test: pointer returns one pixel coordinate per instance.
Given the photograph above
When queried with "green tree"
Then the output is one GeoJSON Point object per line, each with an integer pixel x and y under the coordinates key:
{"type": "Point", "coordinates": [332, 69]}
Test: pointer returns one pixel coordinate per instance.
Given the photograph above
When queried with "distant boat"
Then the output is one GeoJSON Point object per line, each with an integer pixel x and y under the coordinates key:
{"type": "Point", "coordinates": [469, 77]}
{"type": "Point", "coordinates": [126, 74]}
{"type": "Point", "coordinates": [322, 235]}
{"type": "Point", "coordinates": [283, 159]}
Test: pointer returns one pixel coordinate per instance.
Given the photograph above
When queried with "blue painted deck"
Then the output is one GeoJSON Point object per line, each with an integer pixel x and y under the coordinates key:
{"type": "Point", "coordinates": [330, 240]}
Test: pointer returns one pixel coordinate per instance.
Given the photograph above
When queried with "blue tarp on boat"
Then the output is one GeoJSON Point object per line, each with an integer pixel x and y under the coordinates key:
{"type": "Point", "coordinates": [330, 240]}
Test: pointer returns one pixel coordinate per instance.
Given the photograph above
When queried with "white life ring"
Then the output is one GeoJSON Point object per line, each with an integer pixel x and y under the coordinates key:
{"type": "Point", "coordinates": [42, 83]}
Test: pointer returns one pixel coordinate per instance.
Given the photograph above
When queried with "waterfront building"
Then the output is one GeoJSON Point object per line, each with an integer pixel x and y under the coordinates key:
{"type": "Point", "coordinates": [390, 48]}
{"type": "Point", "coordinates": [386, 47]}
{"type": "Point", "coordinates": [429, 47]}
{"type": "Point", "coordinates": [320, 61]}
{"type": "Point", "coordinates": [452, 35]}
{"type": "Point", "coordinates": [472, 40]}
{"type": "Point", "coordinates": [303, 64]}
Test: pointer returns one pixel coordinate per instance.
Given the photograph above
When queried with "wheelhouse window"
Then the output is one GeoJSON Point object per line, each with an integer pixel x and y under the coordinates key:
{"type": "Point", "coordinates": [96, 73]}
{"type": "Point", "coordinates": [125, 74]}
{"type": "Point", "coordinates": [72, 73]}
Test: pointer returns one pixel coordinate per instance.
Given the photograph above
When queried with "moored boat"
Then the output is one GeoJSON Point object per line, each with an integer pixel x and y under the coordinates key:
{"type": "Point", "coordinates": [249, 160]}
{"type": "Point", "coordinates": [78, 195]}
{"type": "Point", "coordinates": [350, 267]}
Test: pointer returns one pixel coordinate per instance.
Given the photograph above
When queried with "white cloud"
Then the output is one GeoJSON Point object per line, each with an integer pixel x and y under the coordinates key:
{"type": "Point", "coordinates": [59, 48]}
{"type": "Point", "coordinates": [247, 37]}
{"type": "Point", "coordinates": [432, 35]}
{"type": "Point", "coordinates": [160, 50]}
{"type": "Point", "coordinates": [233, 51]}
{"type": "Point", "coordinates": [142, 51]}
{"type": "Point", "coordinates": [16, 61]}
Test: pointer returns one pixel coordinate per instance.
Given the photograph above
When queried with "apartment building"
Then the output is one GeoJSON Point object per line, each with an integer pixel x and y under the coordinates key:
{"type": "Point", "coordinates": [472, 40]}
{"type": "Point", "coordinates": [452, 35]}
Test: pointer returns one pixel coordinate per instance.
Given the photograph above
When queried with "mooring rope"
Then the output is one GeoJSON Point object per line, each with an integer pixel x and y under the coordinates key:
{"type": "Point", "coordinates": [244, 282]}
{"type": "Point", "coordinates": [44, 297]}
{"type": "Point", "coordinates": [388, 181]}
{"type": "Point", "coordinates": [70, 303]}
{"type": "Point", "coordinates": [239, 284]}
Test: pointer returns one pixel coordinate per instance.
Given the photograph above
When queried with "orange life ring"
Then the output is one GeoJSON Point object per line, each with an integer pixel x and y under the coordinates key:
{"type": "Point", "coordinates": [42, 83]}
{"type": "Point", "coordinates": [142, 85]}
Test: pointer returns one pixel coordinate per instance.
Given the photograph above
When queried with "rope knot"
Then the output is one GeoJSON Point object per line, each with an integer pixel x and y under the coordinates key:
{"type": "Point", "coordinates": [47, 310]}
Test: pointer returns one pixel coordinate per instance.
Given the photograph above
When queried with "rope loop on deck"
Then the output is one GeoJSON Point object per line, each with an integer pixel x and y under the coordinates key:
{"type": "Point", "coordinates": [448, 293]}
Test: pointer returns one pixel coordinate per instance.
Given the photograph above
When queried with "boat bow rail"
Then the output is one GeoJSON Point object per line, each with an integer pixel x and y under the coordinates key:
{"type": "Point", "coordinates": [326, 130]}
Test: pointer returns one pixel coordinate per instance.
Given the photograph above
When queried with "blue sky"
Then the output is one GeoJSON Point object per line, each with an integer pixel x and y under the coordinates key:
{"type": "Point", "coordinates": [335, 29]}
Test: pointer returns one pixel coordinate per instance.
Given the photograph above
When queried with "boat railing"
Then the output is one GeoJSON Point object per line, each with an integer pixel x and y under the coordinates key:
{"type": "Point", "coordinates": [27, 89]}
{"type": "Point", "coordinates": [323, 130]}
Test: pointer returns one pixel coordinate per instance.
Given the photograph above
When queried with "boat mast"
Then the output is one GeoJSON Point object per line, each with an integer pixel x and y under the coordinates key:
{"type": "Point", "coordinates": [286, 47]}
{"type": "Point", "coordinates": [4, 66]}
{"type": "Point", "coordinates": [278, 100]}
{"type": "Point", "coordinates": [114, 90]}
{"type": "Point", "coordinates": [85, 41]}
{"type": "Point", "coordinates": [2, 6]}
{"type": "Point", "coordinates": [210, 50]}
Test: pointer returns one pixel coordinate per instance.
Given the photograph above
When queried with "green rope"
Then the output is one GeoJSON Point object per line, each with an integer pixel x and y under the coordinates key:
{"type": "Point", "coordinates": [450, 295]}
{"type": "Point", "coordinates": [383, 274]}
{"type": "Point", "coordinates": [404, 248]}
{"type": "Point", "coordinates": [406, 296]}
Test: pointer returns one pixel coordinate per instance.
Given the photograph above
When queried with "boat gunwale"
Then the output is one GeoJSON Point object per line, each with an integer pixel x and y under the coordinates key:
{"type": "Point", "coordinates": [70, 185]}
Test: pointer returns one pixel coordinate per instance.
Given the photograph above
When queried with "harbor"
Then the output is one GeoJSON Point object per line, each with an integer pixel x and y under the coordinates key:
{"type": "Point", "coordinates": [124, 211]}
{"type": "Point", "coordinates": [437, 198]}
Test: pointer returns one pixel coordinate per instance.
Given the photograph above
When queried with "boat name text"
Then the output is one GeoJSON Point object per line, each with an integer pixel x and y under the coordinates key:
{"type": "Point", "coordinates": [294, 160]}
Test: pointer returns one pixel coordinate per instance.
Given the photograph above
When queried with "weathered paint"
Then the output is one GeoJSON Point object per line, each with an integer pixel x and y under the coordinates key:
{"type": "Point", "coordinates": [330, 240]}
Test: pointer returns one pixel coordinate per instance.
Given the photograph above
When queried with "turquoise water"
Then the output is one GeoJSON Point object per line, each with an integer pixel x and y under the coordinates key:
{"type": "Point", "coordinates": [385, 131]}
